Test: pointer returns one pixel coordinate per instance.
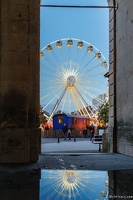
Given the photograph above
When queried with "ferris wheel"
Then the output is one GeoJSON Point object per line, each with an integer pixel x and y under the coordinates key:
{"type": "Point", "coordinates": [72, 77]}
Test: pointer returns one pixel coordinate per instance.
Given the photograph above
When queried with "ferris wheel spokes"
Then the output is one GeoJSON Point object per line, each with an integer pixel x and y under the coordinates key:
{"type": "Point", "coordinates": [76, 102]}
{"type": "Point", "coordinates": [91, 105]}
{"type": "Point", "coordinates": [70, 68]}
{"type": "Point", "coordinates": [51, 92]}
{"type": "Point", "coordinates": [55, 97]}
{"type": "Point", "coordinates": [95, 97]}
{"type": "Point", "coordinates": [56, 58]}
{"type": "Point", "coordinates": [54, 72]}
{"type": "Point", "coordinates": [94, 75]}
{"type": "Point", "coordinates": [85, 92]}
{"type": "Point", "coordinates": [94, 89]}
{"type": "Point", "coordinates": [57, 103]}
{"type": "Point", "coordinates": [82, 59]}
{"type": "Point", "coordinates": [82, 68]}
{"type": "Point", "coordinates": [47, 68]}
{"type": "Point", "coordinates": [55, 66]}
{"type": "Point", "coordinates": [83, 102]}
{"type": "Point", "coordinates": [92, 68]}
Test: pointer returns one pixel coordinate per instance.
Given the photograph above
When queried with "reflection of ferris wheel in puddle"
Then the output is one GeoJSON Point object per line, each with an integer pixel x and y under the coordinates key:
{"type": "Point", "coordinates": [72, 74]}
{"type": "Point", "coordinates": [73, 184]}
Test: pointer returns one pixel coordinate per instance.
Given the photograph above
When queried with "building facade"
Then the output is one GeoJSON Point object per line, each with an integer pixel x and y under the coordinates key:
{"type": "Point", "coordinates": [73, 122]}
{"type": "Point", "coordinates": [97, 102]}
{"type": "Point", "coordinates": [120, 136]}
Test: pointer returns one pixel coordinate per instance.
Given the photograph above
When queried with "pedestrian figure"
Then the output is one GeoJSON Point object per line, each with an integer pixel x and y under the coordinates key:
{"type": "Point", "coordinates": [65, 130]}
{"type": "Point", "coordinates": [85, 133]}
{"type": "Point", "coordinates": [92, 131]}
{"type": "Point", "coordinates": [69, 134]}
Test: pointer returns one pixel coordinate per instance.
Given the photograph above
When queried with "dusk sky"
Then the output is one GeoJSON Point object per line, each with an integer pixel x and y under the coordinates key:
{"type": "Point", "coordinates": [87, 24]}
{"type": "Point", "coordinates": [91, 25]}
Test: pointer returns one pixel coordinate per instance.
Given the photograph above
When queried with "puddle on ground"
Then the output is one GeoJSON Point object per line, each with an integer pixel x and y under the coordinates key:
{"type": "Point", "coordinates": [73, 184]}
{"type": "Point", "coordinates": [66, 184]}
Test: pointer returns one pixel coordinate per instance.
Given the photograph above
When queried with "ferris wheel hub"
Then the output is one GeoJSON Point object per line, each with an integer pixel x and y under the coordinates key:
{"type": "Point", "coordinates": [71, 80]}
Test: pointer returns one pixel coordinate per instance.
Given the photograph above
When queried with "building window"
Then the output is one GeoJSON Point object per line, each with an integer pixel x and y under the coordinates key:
{"type": "Point", "coordinates": [75, 121]}
{"type": "Point", "coordinates": [85, 121]}
{"type": "Point", "coordinates": [60, 120]}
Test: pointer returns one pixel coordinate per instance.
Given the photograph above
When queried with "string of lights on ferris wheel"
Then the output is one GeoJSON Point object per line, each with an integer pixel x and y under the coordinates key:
{"type": "Point", "coordinates": [65, 74]}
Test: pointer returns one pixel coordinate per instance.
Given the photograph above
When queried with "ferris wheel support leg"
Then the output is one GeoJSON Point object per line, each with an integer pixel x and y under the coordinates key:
{"type": "Point", "coordinates": [82, 99]}
{"type": "Point", "coordinates": [57, 103]}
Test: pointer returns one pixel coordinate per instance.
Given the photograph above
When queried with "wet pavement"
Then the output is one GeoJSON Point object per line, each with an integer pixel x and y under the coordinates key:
{"type": "Point", "coordinates": [69, 170]}
{"type": "Point", "coordinates": [83, 161]}
{"type": "Point", "coordinates": [78, 145]}
{"type": "Point", "coordinates": [82, 154]}
{"type": "Point", "coordinates": [66, 184]}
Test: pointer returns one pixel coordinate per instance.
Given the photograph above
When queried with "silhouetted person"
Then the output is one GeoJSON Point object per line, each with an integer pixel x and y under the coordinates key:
{"type": "Point", "coordinates": [69, 134]}
{"type": "Point", "coordinates": [92, 131]}
{"type": "Point", "coordinates": [85, 133]}
{"type": "Point", "coordinates": [65, 130]}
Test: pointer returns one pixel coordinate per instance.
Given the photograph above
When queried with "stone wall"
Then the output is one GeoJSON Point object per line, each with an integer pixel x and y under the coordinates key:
{"type": "Point", "coordinates": [124, 77]}
{"type": "Point", "coordinates": [19, 81]}
{"type": "Point", "coordinates": [120, 132]}
{"type": "Point", "coordinates": [112, 68]}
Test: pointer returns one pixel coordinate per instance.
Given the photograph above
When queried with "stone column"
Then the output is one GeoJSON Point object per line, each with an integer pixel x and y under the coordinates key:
{"type": "Point", "coordinates": [19, 81]}
{"type": "Point", "coordinates": [112, 132]}
{"type": "Point", "coordinates": [124, 77]}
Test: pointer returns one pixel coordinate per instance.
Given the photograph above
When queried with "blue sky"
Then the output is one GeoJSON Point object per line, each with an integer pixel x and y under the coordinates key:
{"type": "Point", "coordinates": [88, 24]}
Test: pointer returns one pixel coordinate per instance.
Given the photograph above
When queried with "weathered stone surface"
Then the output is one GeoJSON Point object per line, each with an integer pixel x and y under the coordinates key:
{"type": "Point", "coordinates": [125, 139]}
{"type": "Point", "coordinates": [14, 146]}
{"type": "Point", "coordinates": [105, 142]}
{"type": "Point", "coordinates": [18, 145]}
{"type": "Point", "coordinates": [20, 185]}
{"type": "Point", "coordinates": [19, 81]}
{"type": "Point", "coordinates": [121, 62]}
{"type": "Point", "coordinates": [111, 100]}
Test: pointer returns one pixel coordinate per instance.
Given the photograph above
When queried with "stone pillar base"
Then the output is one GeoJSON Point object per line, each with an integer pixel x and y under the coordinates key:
{"type": "Point", "coordinates": [105, 145]}
{"type": "Point", "coordinates": [19, 145]}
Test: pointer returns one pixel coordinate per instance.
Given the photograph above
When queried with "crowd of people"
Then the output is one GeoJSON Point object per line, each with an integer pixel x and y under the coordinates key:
{"type": "Point", "coordinates": [92, 131]}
